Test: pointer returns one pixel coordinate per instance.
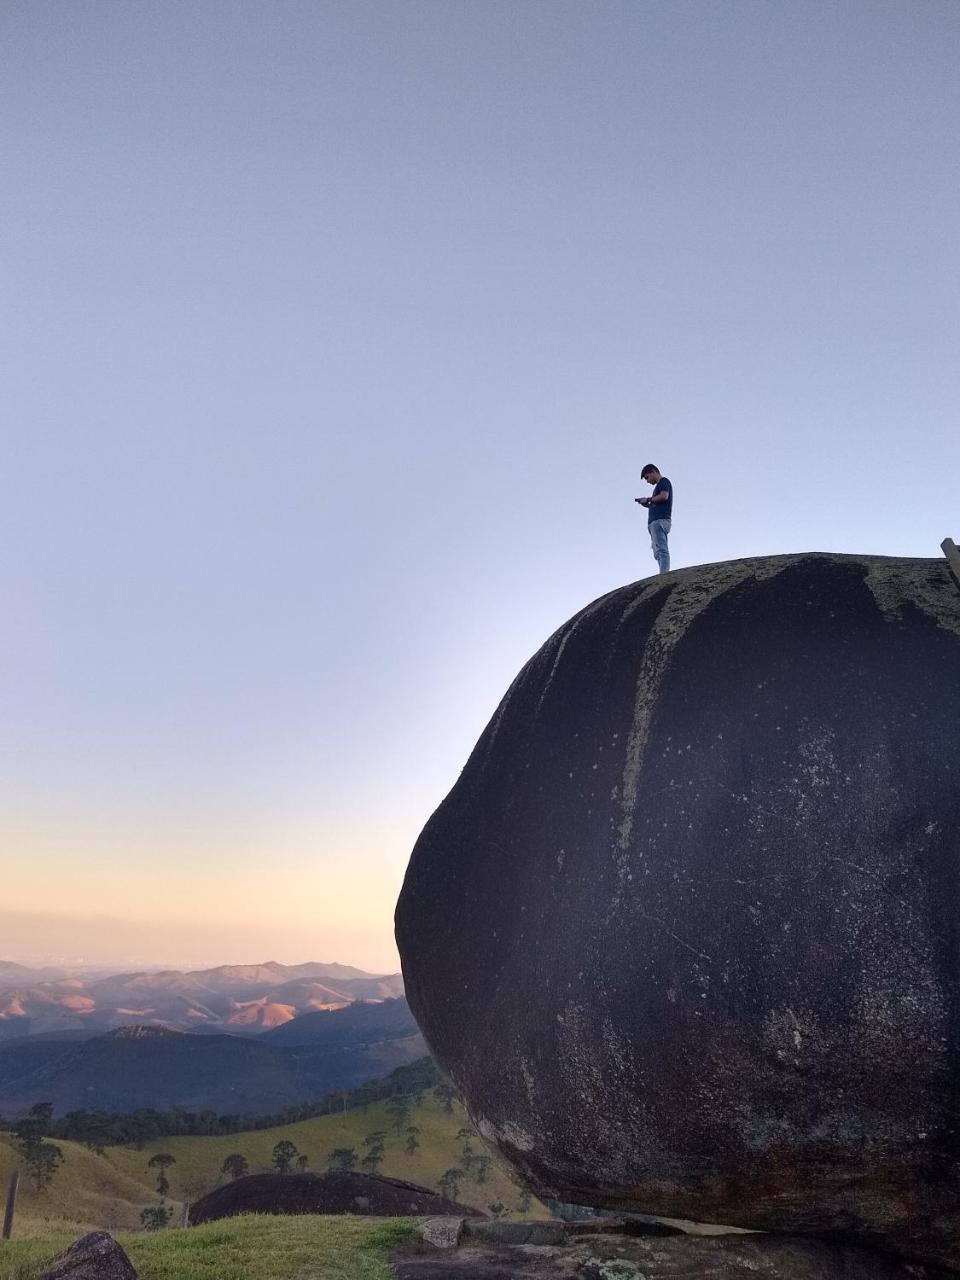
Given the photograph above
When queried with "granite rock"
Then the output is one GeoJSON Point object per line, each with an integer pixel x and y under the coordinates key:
{"type": "Point", "coordinates": [95, 1256]}
{"type": "Point", "coordinates": [686, 931]}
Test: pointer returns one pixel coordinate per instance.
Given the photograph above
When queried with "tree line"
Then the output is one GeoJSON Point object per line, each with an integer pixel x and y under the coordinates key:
{"type": "Point", "coordinates": [100, 1129]}
{"type": "Point", "coordinates": [31, 1135]}
{"type": "Point", "coordinates": [286, 1156]}
{"type": "Point", "coordinates": [473, 1165]}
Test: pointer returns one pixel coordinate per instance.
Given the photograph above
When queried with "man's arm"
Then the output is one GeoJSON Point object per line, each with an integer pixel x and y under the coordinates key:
{"type": "Point", "coordinates": [662, 496]}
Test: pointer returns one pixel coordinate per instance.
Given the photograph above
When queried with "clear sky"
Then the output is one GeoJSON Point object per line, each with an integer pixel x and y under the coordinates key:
{"type": "Point", "coordinates": [334, 337]}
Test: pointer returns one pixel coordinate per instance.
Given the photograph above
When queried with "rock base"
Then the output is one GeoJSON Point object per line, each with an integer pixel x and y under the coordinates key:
{"type": "Point", "coordinates": [491, 1254]}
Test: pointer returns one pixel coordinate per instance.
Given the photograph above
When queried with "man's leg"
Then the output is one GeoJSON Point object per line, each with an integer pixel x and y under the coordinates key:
{"type": "Point", "coordinates": [658, 540]}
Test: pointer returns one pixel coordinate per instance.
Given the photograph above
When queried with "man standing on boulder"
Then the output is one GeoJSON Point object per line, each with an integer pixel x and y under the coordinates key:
{"type": "Point", "coordinates": [660, 504]}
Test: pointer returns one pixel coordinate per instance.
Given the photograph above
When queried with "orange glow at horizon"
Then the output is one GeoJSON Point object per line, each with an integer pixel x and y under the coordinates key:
{"type": "Point", "coordinates": [211, 894]}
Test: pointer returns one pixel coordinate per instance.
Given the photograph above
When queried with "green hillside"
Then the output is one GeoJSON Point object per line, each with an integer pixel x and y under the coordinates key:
{"type": "Point", "coordinates": [87, 1189]}
{"type": "Point", "coordinates": [254, 1247]}
{"type": "Point", "coordinates": [110, 1190]}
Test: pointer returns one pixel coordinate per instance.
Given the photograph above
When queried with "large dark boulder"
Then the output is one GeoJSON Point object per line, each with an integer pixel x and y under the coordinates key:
{"type": "Point", "coordinates": [686, 932]}
{"type": "Point", "coordinates": [338, 1191]}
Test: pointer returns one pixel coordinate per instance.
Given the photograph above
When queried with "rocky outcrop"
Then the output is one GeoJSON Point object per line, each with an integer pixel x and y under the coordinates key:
{"type": "Point", "coordinates": [743, 1257]}
{"type": "Point", "coordinates": [686, 932]}
{"type": "Point", "coordinates": [96, 1256]}
{"type": "Point", "coordinates": [337, 1191]}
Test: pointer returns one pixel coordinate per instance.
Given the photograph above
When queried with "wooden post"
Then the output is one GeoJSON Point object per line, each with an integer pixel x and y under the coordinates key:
{"type": "Point", "coordinates": [952, 552]}
{"type": "Point", "coordinates": [11, 1204]}
{"type": "Point", "coordinates": [185, 1214]}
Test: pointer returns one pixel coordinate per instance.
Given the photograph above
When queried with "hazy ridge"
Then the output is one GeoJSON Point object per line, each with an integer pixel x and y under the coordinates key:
{"type": "Point", "coordinates": [248, 1039]}
{"type": "Point", "coordinates": [137, 1067]}
{"type": "Point", "coordinates": [238, 999]}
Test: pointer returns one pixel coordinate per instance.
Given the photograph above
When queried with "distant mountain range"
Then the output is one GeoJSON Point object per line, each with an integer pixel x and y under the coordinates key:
{"type": "Point", "coordinates": [12, 973]}
{"type": "Point", "coordinates": [153, 1066]}
{"type": "Point", "coordinates": [355, 1025]}
{"type": "Point", "coordinates": [236, 999]}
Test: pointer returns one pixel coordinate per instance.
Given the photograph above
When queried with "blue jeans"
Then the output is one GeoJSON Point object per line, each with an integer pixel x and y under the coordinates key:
{"type": "Point", "coordinates": [658, 541]}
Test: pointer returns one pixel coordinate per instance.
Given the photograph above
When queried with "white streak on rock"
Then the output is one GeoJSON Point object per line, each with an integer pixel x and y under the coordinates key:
{"type": "Point", "coordinates": [691, 594]}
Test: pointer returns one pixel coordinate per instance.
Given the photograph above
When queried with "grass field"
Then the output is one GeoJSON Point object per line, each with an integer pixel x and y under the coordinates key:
{"type": "Point", "coordinates": [109, 1191]}
{"type": "Point", "coordinates": [254, 1247]}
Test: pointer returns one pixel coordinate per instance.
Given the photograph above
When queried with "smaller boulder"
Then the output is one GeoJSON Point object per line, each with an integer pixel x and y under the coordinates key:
{"type": "Point", "coordinates": [96, 1256]}
{"type": "Point", "coordinates": [442, 1233]}
{"type": "Point", "coordinates": [503, 1231]}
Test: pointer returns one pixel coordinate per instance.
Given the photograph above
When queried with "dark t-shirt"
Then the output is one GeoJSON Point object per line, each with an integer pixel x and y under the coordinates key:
{"type": "Point", "coordinates": [661, 510]}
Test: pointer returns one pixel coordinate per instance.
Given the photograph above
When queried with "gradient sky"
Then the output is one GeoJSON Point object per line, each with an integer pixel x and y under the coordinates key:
{"type": "Point", "coordinates": [334, 337]}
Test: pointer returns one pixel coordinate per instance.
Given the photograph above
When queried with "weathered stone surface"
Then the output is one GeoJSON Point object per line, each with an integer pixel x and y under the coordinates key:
{"type": "Point", "coordinates": [605, 1226]}
{"type": "Point", "coordinates": [686, 932]}
{"type": "Point", "coordinates": [96, 1256]}
{"type": "Point", "coordinates": [338, 1191]}
{"type": "Point", "coordinates": [740, 1257]}
{"type": "Point", "coordinates": [629, 1225]}
{"type": "Point", "coordinates": [442, 1233]}
{"type": "Point", "coordinates": [507, 1231]}
{"type": "Point", "coordinates": [733, 1257]}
